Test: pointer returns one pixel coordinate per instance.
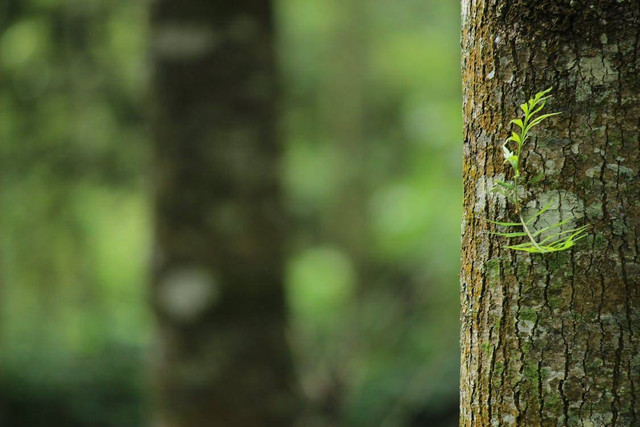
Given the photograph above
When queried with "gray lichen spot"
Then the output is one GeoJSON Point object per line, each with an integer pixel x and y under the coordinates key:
{"type": "Point", "coordinates": [621, 170]}
{"type": "Point", "coordinates": [550, 378]}
{"type": "Point", "coordinates": [594, 171]}
{"type": "Point", "coordinates": [595, 211]}
{"type": "Point", "coordinates": [583, 92]}
{"type": "Point", "coordinates": [525, 327]}
{"type": "Point", "coordinates": [481, 195]}
{"type": "Point", "coordinates": [463, 224]}
{"type": "Point", "coordinates": [509, 420]}
{"type": "Point", "coordinates": [484, 185]}
{"type": "Point", "coordinates": [619, 227]}
{"type": "Point", "coordinates": [602, 419]}
{"type": "Point", "coordinates": [595, 70]}
{"type": "Point", "coordinates": [561, 204]}
{"type": "Point", "coordinates": [180, 42]}
{"type": "Point", "coordinates": [465, 9]}
{"type": "Point", "coordinates": [186, 293]}
{"type": "Point", "coordinates": [550, 167]}
{"type": "Point", "coordinates": [575, 148]}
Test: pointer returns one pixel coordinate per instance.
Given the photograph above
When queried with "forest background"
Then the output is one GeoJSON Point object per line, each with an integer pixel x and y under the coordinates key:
{"type": "Point", "coordinates": [371, 130]}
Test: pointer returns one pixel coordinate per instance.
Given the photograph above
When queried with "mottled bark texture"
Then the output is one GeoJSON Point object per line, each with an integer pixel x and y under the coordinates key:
{"type": "Point", "coordinates": [553, 339]}
{"type": "Point", "coordinates": [222, 357]}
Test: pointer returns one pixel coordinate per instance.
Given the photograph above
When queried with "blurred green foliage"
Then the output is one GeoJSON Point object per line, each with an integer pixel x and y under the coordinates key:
{"type": "Point", "coordinates": [74, 217]}
{"type": "Point", "coordinates": [371, 121]}
{"type": "Point", "coordinates": [373, 171]}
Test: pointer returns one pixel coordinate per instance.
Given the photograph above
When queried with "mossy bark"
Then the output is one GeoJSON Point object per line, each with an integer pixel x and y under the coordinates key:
{"type": "Point", "coordinates": [221, 356]}
{"type": "Point", "coordinates": [553, 339]}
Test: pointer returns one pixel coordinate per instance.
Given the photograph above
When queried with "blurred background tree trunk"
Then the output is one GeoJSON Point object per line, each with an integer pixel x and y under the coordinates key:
{"type": "Point", "coordinates": [553, 339]}
{"type": "Point", "coordinates": [218, 269]}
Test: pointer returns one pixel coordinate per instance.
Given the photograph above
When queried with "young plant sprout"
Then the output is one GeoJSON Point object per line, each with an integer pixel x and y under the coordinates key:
{"type": "Point", "coordinates": [552, 238]}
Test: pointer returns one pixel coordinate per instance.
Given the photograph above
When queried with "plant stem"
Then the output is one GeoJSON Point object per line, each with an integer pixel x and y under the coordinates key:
{"type": "Point", "coordinates": [519, 212]}
{"type": "Point", "coordinates": [526, 230]}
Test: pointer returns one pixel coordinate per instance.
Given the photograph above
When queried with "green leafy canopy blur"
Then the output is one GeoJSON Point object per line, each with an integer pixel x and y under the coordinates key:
{"type": "Point", "coordinates": [371, 130]}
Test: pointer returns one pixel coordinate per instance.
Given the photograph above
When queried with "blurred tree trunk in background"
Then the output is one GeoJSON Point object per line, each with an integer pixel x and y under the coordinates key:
{"type": "Point", "coordinates": [218, 287]}
{"type": "Point", "coordinates": [553, 339]}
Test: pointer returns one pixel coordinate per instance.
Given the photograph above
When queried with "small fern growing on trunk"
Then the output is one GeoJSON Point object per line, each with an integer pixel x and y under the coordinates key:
{"type": "Point", "coordinates": [552, 238]}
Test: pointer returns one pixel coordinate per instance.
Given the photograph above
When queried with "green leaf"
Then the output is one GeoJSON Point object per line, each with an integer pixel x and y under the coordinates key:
{"type": "Point", "coordinates": [496, 189]}
{"type": "Point", "coordinates": [505, 150]}
{"type": "Point", "coordinates": [517, 122]}
{"type": "Point", "coordinates": [551, 227]}
{"type": "Point", "coordinates": [525, 248]}
{"type": "Point", "coordinates": [507, 185]}
{"type": "Point", "coordinates": [539, 95]}
{"type": "Point", "coordinates": [531, 103]}
{"type": "Point", "coordinates": [538, 119]}
{"type": "Point", "coordinates": [515, 137]}
{"type": "Point", "coordinates": [505, 224]}
{"type": "Point", "coordinates": [539, 108]}
{"type": "Point", "coordinates": [557, 241]}
{"type": "Point", "coordinates": [540, 212]}
{"type": "Point", "coordinates": [510, 235]}
{"type": "Point", "coordinates": [562, 241]}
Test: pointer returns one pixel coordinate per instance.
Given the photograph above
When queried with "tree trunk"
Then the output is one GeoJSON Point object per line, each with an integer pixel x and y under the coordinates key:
{"type": "Point", "coordinates": [222, 357]}
{"type": "Point", "coordinates": [553, 339]}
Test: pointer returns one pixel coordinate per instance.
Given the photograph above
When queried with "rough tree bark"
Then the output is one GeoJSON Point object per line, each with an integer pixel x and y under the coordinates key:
{"type": "Point", "coordinates": [553, 339]}
{"type": "Point", "coordinates": [222, 357]}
